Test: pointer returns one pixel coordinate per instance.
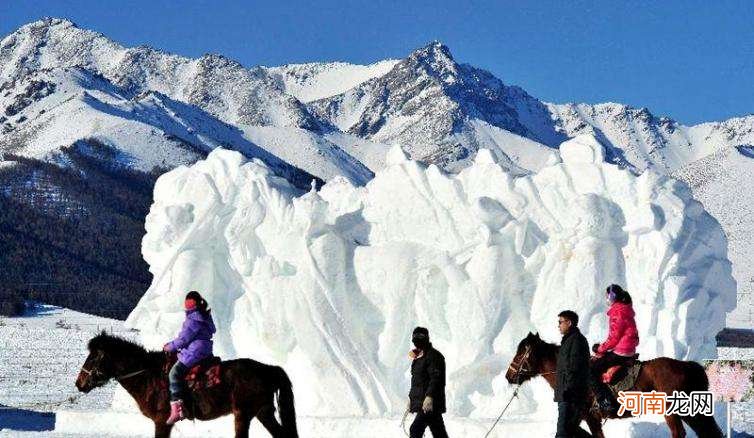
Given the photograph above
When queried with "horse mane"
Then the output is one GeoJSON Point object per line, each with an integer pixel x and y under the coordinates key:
{"type": "Point", "coordinates": [119, 347]}
{"type": "Point", "coordinates": [540, 346]}
{"type": "Point", "coordinates": [548, 350]}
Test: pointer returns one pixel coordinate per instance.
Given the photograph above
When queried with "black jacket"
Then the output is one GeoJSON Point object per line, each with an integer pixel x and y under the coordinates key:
{"type": "Point", "coordinates": [572, 377]}
{"type": "Point", "coordinates": [428, 379]}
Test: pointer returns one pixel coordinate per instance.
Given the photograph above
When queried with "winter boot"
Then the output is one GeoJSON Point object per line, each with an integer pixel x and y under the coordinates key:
{"type": "Point", "coordinates": [176, 412]}
{"type": "Point", "coordinates": [605, 401]}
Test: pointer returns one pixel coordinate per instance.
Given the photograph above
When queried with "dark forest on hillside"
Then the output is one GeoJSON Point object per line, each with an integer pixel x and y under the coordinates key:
{"type": "Point", "coordinates": [71, 236]}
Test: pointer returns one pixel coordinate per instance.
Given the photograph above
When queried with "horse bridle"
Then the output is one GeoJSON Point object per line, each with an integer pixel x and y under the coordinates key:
{"type": "Point", "coordinates": [525, 361]}
{"type": "Point", "coordinates": [93, 373]}
{"type": "Point", "coordinates": [96, 371]}
{"type": "Point", "coordinates": [520, 365]}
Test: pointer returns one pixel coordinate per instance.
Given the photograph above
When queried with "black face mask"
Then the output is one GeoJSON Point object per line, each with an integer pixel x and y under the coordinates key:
{"type": "Point", "coordinates": [420, 342]}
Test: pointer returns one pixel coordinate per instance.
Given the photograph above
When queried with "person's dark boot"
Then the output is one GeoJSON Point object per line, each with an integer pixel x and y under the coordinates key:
{"type": "Point", "coordinates": [605, 401]}
{"type": "Point", "coordinates": [607, 407]}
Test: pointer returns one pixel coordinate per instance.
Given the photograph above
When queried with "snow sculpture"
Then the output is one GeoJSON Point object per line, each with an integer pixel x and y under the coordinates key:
{"type": "Point", "coordinates": [329, 284]}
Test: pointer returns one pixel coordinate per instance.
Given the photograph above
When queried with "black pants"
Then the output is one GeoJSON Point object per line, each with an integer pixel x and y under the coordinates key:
{"type": "Point", "coordinates": [602, 364]}
{"type": "Point", "coordinates": [569, 418]}
{"type": "Point", "coordinates": [177, 382]}
{"type": "Point", "coordinates": [422, 421]}
{"type": "Point", "coordinates": [599, 366]}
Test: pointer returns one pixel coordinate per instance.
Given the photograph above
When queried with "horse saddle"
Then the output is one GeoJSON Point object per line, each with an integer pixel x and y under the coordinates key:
{"type": "Point", "coordinates": [204, 374]}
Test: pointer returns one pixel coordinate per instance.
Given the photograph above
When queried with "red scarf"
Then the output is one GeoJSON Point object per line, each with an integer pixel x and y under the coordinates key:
{"type": "Point", "coordinates": [189, 304]}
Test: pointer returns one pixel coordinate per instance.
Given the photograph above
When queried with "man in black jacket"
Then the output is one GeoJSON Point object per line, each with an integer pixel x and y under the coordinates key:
{"type": "Point", "coordinates": [427, 395]}
{"type": "Point", "coordinates": [572, 376]}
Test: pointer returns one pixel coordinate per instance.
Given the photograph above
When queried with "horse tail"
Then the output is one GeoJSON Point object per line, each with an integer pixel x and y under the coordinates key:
{"type": "Point", "coordinates": [285, 403]}
{"type": "Point", "coordinates": [702, 425]}
{"type": "Point", "coordinates": [697, 377]}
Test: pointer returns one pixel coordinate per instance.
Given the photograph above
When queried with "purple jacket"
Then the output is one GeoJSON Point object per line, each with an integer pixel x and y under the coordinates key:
{"type": "Point", "coordinates": [194, 342]}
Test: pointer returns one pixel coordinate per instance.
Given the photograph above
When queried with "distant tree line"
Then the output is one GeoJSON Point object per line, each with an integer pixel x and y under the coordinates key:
{"type": "Point", "coordinates": [71, 235]}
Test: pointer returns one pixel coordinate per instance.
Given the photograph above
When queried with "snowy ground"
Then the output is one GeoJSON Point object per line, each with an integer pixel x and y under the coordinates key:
{"type": "Point", "coordinates": [41, 354]}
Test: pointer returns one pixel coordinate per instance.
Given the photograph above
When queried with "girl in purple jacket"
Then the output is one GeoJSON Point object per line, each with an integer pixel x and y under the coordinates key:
{"type": "Point", "coordinates": [194, 343]}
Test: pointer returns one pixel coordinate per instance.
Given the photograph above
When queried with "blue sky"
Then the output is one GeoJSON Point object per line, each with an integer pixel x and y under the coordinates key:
{"type": "Point", "coordinates": [690, 60]}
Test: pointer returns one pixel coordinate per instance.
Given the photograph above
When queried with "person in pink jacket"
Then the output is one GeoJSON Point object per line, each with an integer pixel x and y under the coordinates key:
{"type": "Point", "coordinates": [620, 345]}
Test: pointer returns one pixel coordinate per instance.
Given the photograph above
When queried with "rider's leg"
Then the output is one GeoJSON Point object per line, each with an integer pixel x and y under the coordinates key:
{"type": "Point", "coordinates": [597, 368]}
{"type": "Point", "coordinates": [177, 380]}
{"type": "Point", "coordinates": [600, 389]}
{"type": "Point", "coordinates": [177, 391]}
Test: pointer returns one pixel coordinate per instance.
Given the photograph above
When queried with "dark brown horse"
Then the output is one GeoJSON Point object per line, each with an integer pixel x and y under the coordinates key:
{"type": "Point", "coordinates": [536, 357]}
{"type": "Point", "coordinates": [247, 389]}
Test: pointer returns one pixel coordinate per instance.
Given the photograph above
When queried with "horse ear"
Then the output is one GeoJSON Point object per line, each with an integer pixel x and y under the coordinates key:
{"type": "Point", "coordinates": [530, 335]}
{"type": "Point", "coordinates": [536, 335]}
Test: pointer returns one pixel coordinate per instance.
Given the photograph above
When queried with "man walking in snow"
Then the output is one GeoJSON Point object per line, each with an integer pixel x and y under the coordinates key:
{"type": "Point", "coordinates": [572, 376]}
{"type": "Point", "coordinates": [427, 395]}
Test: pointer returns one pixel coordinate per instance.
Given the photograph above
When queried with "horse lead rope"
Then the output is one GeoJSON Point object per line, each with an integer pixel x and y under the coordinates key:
{"type": "Point", "coordinates": [521, 363]}
{"type": "Point", "coordinates": [515, 393]}
{"type": "Point", "coordinates": [403, 422]}
{"type": "Point", "coordinates": [524, 360]}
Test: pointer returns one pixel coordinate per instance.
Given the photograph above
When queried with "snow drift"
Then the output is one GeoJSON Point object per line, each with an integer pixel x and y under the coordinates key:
{"type": "Point", "coordinates": [330, 284]}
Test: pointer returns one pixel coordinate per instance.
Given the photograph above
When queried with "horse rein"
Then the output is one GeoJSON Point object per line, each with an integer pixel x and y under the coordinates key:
{"type": "Point", "coordinates": [94, 372]}
{"type": "Point", "coordinates": [525, 361]}
{"type": "Point", "coordinates": [520, 365]}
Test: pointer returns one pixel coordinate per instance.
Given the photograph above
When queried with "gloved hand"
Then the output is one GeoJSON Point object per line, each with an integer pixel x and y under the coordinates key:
{"type": "Point", "coordinates": [595, 348]}
{"type": "Point", "coordinates": [427, 405]}
{"type": "Point", "coordinates": [166, 347]}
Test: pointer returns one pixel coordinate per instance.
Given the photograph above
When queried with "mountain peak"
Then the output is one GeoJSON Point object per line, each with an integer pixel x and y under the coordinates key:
{"type": "Point", "coordinates": [436, 60]}
{"type": "Point", "coordinates": [49, 23]}
{"type": "Point", "coordinates": [39, 29]}
{"type": "Point", "coordinates": [216, 59]}
{"type": "Point", "coordinates": [434, 50]}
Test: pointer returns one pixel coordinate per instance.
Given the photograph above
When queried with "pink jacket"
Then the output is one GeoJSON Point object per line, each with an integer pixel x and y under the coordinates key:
{"type": "Point", "coordinates": [623, 337]}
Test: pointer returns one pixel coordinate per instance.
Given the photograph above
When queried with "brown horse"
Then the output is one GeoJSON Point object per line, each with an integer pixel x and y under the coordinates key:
{"type": "Point", "coordinates": [247, 387]}
{"type": "Point", "coordinates": [535, 357]}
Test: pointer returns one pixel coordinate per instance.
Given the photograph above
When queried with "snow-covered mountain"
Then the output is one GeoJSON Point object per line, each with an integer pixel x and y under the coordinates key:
{"type": "Point", "coordinates": [46, 110]}
{"type": "Point", "coordinates": [432, 106]}
{"type": "Point", "coordinates": [428, 103]}
{"type": "Point", "coordinates": [437, 109]}
{"type": "Point", "coordinates": [722, 182]}
{"type": "Point", "coordinates": [644, 140]}
{"type": "Point", "coordinates": [221, 86]}
{"type": "Point", "coordinates": [319, 80]}
{"type": "Point", "coordinates": [60, 84]}
{"type": "Point", "coordinates": [213, 86]}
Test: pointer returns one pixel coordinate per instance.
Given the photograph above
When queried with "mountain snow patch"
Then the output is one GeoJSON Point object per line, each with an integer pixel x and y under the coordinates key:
{"type": "Point", "coordinates": [330, 284]}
